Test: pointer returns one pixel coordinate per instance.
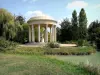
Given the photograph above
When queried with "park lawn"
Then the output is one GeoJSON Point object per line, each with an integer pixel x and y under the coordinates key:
{"type": "Point", "coordinates": [17, 64]}
{"type": "Point", "coordinates": [91, 59]}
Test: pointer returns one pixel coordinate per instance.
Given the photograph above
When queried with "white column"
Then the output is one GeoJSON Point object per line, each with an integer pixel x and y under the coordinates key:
{"type": "Point", "coordinates": [29, 33]}
{"type": "Point", "coordinates": [39, 33]}
{"type": "Point", "coordinates": [55, 33]}
{"type": "Point", "coordinates": [46, 33]}
{"type": "Point", "coordinates": [50, 34]}
{"type": "Point", "coordinates": [33, 36]}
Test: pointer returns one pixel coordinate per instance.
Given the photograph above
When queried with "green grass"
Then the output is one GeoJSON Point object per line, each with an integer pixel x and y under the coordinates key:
{"type": "Point", "coordinates": [92, 59]}
{"type": "Point", "coordinates": [15, 64]}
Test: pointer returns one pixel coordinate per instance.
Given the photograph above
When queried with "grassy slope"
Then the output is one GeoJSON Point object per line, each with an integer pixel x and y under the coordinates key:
{"type": "Point", "coordinates": [94, 58]}
{"type": "Point", "coordinates": [11, 64]}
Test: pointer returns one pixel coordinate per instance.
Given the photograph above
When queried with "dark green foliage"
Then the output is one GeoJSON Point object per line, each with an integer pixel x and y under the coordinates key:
{"type": "Point", "coordinates": [20, 19]}
{"type": "Point", "coordinates": [58, 34]}
{"type": "Point", "coordinates": [53, 45]}
{"type": "Point", "coordinates": [66, 30]}
{"type": "Point", "coordinates": [6, 45]}
{"type": "Point", "coordinates": [82, 42]}
{"type": "Point", "coordinates": [94, 33]}
{"type": "Point", "coordinates": [82, 25]}
{"type": "Point", "coordinates": [74, 28]}
{"type": "Point", "coordinates": [22, 34]}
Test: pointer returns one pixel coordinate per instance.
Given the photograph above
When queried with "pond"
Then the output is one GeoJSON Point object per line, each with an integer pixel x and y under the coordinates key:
{"type": "Point", "coordinates": [92, 59]}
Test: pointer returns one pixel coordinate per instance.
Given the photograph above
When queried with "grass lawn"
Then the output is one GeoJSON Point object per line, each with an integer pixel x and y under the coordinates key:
{"type": "Point", "coordinates": [15, 64]}
{"type": "Point", "coordinates": [93, 59]}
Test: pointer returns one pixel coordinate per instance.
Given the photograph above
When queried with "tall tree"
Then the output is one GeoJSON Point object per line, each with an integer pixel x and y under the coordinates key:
{"type": "Point", "coordinates": [66, 30]}
{"type": "Point", "coordinates": [5, 18]}
{"type": "Point", "coordinates": [74, 26]}
{"type": "Point", "coordinates": [82, 24]}
{"type": "Point", "coordinates": [94, 32]}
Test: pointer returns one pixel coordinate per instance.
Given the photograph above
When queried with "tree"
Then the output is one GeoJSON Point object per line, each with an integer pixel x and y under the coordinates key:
{"type": "Point", "coordinates": [58, 34]}
{"type": "Point", "coordinates": [66, 30]}
{"type": "Point", "coordinates": [74, 26]}
{"type": "Point", "coordinates": [94, 33]}
{"type": "Point", "coordinates": [9, 30]}
{"type": "Point", "coordinates": [82, 25]}
{"type": "Point", "coordinates": [20, 19]}
{"type": "Point", "coordinates": [5, 18]}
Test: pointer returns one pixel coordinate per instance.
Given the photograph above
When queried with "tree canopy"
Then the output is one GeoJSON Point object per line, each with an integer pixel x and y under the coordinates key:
{"type": "Point", "coordinates": [5, 18]}
{"type": "Point", "coordinates": [74, 27]}
{"type": "Point", "coordinates": [82, 24]}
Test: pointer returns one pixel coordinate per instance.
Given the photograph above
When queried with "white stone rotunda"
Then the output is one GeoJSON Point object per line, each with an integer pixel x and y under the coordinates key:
{"type": "Point", "coordinates": [45, 22]}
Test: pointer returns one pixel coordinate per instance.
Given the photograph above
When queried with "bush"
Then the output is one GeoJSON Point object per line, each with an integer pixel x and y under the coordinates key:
{"type": "Point", "coordinates": [53, 45]}
{"type": "Point", "coordinates": [6, 45]}
{"type": "Point", "coordinates": [53, 51]}
{"type": "Point", "coordinates": [27, 50]}
{"type": "Point", "coordinates": [82, 43]}
{"type": "Point", "coordinates": [70, 51]}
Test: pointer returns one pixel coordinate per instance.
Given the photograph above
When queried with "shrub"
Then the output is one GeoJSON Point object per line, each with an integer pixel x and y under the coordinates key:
{"type": "Point", "coordinates": [53, 51]}
{"type": "Point", "coordinates": [83, 43]}
{"type": "Point", "coordinates": [27, 50]}
{"type": "Point", "coordinates": [70, 51]}
{"type": "Point", "coordinates": [6, 45]}
{"type": "Point", "coordinates": [53, 45]}
{"type": "Point", "coordinates": [80, 42]}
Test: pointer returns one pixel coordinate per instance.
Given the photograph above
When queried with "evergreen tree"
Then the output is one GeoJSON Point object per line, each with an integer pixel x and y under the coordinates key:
{"type": "Point", "coordinates": [74, 28]}
{"type": "Point", "coordinates": [82, 24]}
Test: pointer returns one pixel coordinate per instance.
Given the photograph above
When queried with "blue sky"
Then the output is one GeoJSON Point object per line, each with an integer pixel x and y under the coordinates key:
{"type": "Point", "coordinates": [58, 9]}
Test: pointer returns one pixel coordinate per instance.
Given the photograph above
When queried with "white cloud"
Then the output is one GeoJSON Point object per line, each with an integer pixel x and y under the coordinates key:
{"type": "Point", "coordinates": [30, 14]}
{"type": "Point", "coordinates": [30, 1]}
{"type": "Point", "coordinates": [77, 4]}
{"type": "Point", "coordinates": [97, 6]}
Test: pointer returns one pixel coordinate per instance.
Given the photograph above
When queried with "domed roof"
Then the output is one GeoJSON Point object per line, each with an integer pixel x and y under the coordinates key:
{"type": "Point", "coordinates": [43, 17]}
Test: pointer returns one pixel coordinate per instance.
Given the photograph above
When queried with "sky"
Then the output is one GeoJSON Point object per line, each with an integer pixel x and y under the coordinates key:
{"type": "Point", "coordinates": [58, 9]}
